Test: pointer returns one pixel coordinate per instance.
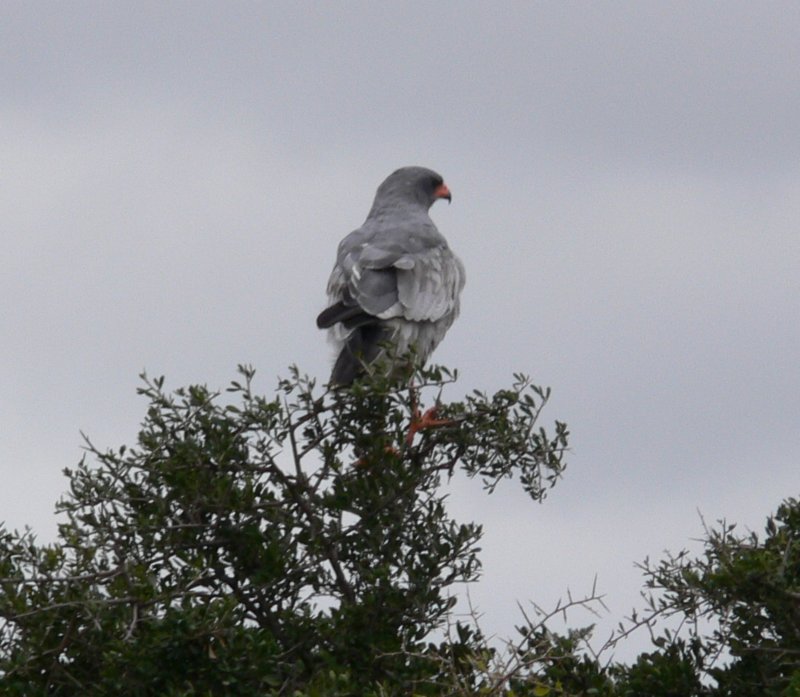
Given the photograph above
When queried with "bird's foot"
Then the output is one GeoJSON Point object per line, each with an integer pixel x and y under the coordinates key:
{"type": "Point", "coordinates": [420, 422]}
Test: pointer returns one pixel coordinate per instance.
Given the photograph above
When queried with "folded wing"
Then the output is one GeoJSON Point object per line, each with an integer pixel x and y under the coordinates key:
{"type": "Point", "coordinates": [381, 293]}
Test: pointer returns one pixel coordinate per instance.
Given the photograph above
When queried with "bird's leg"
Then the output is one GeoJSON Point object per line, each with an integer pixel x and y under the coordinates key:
{"type": "Point", "coordinates": [427, 420]}
{"type": "Point", "coordinates": [419, 422]}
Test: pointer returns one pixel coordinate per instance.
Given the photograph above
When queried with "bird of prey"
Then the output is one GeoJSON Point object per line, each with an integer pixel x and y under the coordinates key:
{"type": "Point", "coordinates": [395, 281]}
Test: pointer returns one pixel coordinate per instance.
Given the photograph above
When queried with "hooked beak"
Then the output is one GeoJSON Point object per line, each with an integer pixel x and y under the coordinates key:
{"type": "Point", "coordinates": [442, 191]}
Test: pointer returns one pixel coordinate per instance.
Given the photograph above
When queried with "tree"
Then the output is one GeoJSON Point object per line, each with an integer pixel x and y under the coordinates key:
{"type": "Point", "coordinates": [737, 607]}
{"type": "Point", "coordinates": [740, 604]}
{"type": "Point", "coordinates": [299, 545]}
{"type": "Point", "coordinates": [251, 546]}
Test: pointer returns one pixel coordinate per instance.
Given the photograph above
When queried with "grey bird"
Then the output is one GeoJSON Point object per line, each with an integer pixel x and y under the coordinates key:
{"type": "Point", "coordinates": [395, 281]}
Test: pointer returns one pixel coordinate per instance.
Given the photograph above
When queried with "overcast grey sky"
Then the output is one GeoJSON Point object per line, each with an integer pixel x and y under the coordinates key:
{"type": "Point", "coordinates": [175, 177]}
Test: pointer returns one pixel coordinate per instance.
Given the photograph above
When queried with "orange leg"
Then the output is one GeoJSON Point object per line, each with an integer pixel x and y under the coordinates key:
{"type": "Point", "coordinates": [419, 422]}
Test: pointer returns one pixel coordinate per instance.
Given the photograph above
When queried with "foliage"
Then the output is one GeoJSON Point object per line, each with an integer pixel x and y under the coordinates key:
{"type": "Point", "coordinates": [740, 606]}
{"type": "Point", "coordinates": [738, 634]}
{"type": "Point", "coordinates": [252, 545]}
{"type": "Point", "coordinates": [300, 545]}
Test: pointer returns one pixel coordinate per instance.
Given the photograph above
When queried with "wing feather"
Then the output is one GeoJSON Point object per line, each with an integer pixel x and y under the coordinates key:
{"type": "Point", "coordinates": [393, 276]}
{"type": "Point", "coordinates": [429, 290]}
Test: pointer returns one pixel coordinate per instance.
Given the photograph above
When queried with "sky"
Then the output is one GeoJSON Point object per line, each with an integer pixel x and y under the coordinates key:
{"type": "Point", "coordinates": [175, 178]}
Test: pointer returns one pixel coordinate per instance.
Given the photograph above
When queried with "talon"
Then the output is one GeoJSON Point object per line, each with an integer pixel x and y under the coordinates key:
{"type": "Point", "coordinates": [427, 420]}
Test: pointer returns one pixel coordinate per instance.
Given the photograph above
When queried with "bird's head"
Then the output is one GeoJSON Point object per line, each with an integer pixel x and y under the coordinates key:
{"type": "Point", "coordinates": [411, 185]}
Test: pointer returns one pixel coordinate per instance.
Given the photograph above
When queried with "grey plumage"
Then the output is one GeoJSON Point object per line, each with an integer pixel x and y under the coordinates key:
{"type": "Point", "coordinates": [395, 279]}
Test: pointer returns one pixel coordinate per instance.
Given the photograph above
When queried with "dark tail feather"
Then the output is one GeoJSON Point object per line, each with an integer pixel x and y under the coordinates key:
{"type": "Point", "coordinates": [346, 312]}
{"type": "Point", "coordinates": [336, 313]}
{"type": "Point", "coordinates": [362, 347]}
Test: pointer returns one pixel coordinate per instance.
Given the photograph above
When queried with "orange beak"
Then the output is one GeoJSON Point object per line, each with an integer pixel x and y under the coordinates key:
{"type": "Point", "coordinates": [442, 191]}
